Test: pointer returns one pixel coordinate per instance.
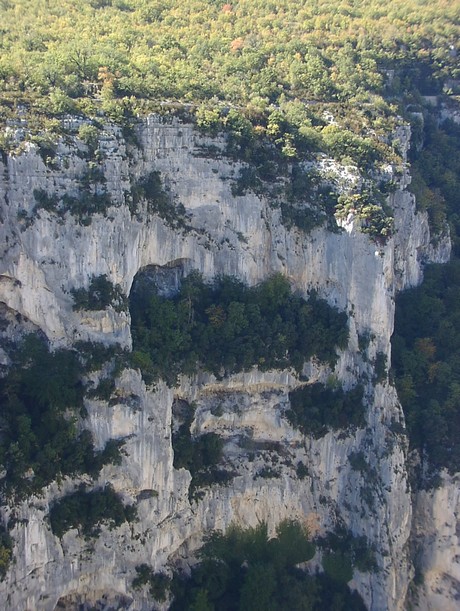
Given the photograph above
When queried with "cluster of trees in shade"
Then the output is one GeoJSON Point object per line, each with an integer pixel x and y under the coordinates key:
{"type": "Point", "coordinates": [426, 341]}
{"type": "Point", "coordinates": [41, 399]}
{"type": "Point", "coordinates": [225, 327]}
{"type": "Point", "coordinates": [244, 569]}
{"type": "Point", "coordinates": [100, 294]}
{"type": "Point", "coordinates": [315, 408]}
{"type": "Point", "coordinates": [426, 364]}
{"type": "Point", "coordinates": [87, 510]}
{"type": "Point", "coordinates": [199, 455]}
{"type": "Point", "coordinates": [41, 396]}
{"type": "Point", "coordinates": [435, 173]}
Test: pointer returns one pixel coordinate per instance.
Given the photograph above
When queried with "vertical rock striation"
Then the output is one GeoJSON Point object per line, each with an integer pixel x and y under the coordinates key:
{"type": "Point", "coordinates": [46, 255]}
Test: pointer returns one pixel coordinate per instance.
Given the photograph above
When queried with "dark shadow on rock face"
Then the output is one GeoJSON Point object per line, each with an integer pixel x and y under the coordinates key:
{"type": "Point", "coordinates": [162, 280]}
{"type": "Point", "coordinates": [93, 601]}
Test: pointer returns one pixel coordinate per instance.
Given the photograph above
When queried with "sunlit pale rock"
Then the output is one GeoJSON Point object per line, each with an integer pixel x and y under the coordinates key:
{"type": "Point", "coordinates": [43, 257]}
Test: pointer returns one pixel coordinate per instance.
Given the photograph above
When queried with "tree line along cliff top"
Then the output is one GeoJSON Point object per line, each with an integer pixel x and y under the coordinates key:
{"type": "Point", "coordinates": [58, 56]}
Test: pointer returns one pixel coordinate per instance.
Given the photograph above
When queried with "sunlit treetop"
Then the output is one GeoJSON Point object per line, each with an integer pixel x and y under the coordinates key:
{"type": "Point", "coordinates": [251, 51]}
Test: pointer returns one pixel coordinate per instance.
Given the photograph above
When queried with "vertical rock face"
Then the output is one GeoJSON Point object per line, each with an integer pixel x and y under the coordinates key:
{"type": "Point", "coordinates": [436, 532]}
{"type": "Point", "coordinates": [45, 255]}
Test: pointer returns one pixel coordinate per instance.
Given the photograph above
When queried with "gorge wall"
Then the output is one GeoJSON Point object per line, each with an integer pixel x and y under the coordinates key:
{"type": "Point", "coordinates": [45, 255]}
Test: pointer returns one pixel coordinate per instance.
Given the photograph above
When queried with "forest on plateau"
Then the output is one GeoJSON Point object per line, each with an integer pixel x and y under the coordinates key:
{"type": "Point", "coordinates": [58, 53]}
{"type": "Point", "coordinates": [263, 60]}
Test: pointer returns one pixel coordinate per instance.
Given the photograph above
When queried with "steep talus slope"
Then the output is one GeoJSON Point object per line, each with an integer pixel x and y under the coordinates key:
{"type": "Point", "coordinates": [46, 255]}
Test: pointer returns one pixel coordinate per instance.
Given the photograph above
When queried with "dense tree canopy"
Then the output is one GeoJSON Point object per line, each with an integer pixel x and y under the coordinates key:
{"type": "Point", "coordinates": [277, 66]}
{"type": "Point", "coordinates": [242, 52]}
{"type": "Point", "coordinates": [436, 174]}
{"type": "Point", "coordinates": [316, 408]}
{"type": "Point", "coordinates": [426, 342]}
{"type": "Point", "coordinates": [41, 397]}
{"type": "Point", "coordinates": [87, 510]}
{"type": "Point", "coordinates": [284, 79]}
{"type": "Point", "coordinates": [226, 327]}
{"type": "Point", "coordinates": [243, 569]}
{"type": "Point", "coordinates": [426, 361]}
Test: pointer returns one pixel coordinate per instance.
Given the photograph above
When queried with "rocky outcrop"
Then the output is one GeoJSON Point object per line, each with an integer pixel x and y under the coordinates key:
{"type": "Point", "coordinates": [46, 255]}
{"type": "Point", "coordinates": [436, 547]}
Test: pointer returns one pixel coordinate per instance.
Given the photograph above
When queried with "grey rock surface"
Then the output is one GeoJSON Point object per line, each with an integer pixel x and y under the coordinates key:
{"type": "Point", "coordinates": [44, 256]}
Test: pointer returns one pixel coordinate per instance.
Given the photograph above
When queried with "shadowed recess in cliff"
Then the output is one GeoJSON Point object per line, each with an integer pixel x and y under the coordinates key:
{"type": "Point", "coordinates": [224, 327]}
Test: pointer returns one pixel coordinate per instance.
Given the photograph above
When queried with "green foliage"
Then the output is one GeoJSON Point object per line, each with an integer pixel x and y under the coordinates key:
{"type": "Point", "coordinates": [87, 510]}
{"type": "Point", "coordinates": [284, 180]}
{"type": "Point", "coordinates": [284, 83]}
{"type": "Point", "coordinates": [338, 567]}
{"type": "Point", "coordinates": [380, 367]}
{"type": "Point", "coordinates": [315, 409]}
{"type": "Point", "coordinates": [376, 222]}
{"type": "Point", "coordinates": [199, 455]}
{"type": "Point", "coordinates": [41, 395]}
{"type": "Point", "coordinates": [208, 119]}
{"type": "Point", "coordinates": [85, 205]}
{"type": "Point", "coordinates": [426, 365]}
{"type": "Point", "coordinates": [244, 570]}
{"type": "Point", "coordinates": [92, 198]}
{"type": "Point", "coordinates": [426, 345]}
{"type": "Point", "coordinates": [244, 54]}
{"type": "Point", "coordinates": [248, 180]}
{"type": "Point", "coordinates": [301, 471]}
{"type": "Point", "coordinates": [305, 218]}
{"type": "Point", "coordinates": [45, 201]}
{"type": "Point", "coordinates": [343, 552]}
{"type": "Point", "coordinates": [436, 177]}
{"type": "Point", "coordinates": [196, 454]}
{"type": "Point", "coordinates": [159, 201]}
{"type": "Point", "coordinates": [100, 294]}
{"type": "Point", "coordinates": [226, 327]}
{"type": "Point", "coordinates": [305, 203]}
{"type": "Point", "coordinates": [6, 551]}
{"type": "Point", "coordinates": [363, 342]}
{"type": "Point", "coordinates": [358, 462]}
{"type": "Point", "coordinates": [94, 355]}
{"type": "Point", "coordinates": [89, 134]}
{"type": "Point", "coordinates": [158, 582]}
{"type": "Point", "coordinates": [46, 148]}
{"type": "Point", "coordinates": [342, 143]}
{"type": "Point", "coordinates": [267, 472]}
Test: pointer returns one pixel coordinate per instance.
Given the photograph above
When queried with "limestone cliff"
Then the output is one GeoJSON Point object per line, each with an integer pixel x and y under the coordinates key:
{"type": "Point", "coordinates": [45, 255]}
